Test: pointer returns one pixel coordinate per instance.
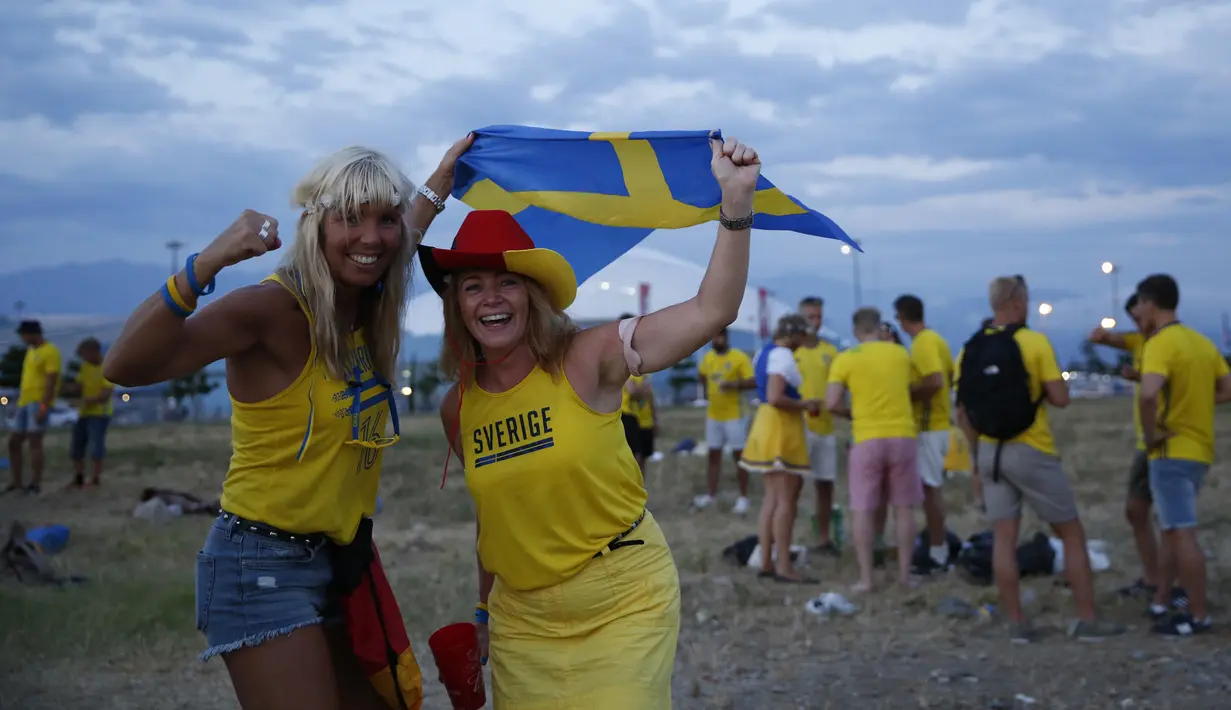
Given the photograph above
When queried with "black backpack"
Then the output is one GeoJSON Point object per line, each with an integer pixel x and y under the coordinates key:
{"type": "Point", "coordinates": [994, 387]}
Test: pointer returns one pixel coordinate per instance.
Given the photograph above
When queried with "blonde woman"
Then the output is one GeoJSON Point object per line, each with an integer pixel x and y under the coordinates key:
{"type": "Point", "coordinates": [309, 353]}
{"type": "Point", "coordinates": [777, 447]}
{"type": "Point", "coordinates": [575, 575]}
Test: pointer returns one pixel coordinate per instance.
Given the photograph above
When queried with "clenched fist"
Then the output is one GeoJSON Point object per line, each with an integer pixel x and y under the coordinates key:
{"type": "Point", "coordinates": [248, 237]}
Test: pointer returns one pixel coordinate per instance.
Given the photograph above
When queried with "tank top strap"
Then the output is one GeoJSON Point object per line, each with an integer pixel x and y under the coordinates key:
{"type": "Point", "coordinates": [292, 281]}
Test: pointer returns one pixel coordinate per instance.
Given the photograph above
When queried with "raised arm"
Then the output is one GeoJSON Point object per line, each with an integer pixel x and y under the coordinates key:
{"type": "Point", "coordinates": [1112, 339]}
{"type": "Point", "coordinates": [665, 337]}
{"type": "Point", "coordinates": [161, 342]}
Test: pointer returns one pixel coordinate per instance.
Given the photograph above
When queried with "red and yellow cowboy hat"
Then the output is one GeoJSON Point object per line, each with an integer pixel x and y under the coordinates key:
{"type": "Point", "coordinates": [492, 239]}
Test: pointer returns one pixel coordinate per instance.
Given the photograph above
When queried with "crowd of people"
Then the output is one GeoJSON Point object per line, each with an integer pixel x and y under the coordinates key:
{"type": "Point", "coordinates": [577, 595]}
{"type": "Point", "coordinates": [919, 414]}
{"type": "Point", "coordinates": [40, 385]}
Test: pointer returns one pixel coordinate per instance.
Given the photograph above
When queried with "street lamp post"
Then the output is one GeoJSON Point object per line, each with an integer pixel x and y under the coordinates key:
{"type": "Point", "coordinates": [1045, 310]}
{"type": "Point", "coordinates": [1111, 270]}
{"type": "Point", "coordinates": [848, 251]}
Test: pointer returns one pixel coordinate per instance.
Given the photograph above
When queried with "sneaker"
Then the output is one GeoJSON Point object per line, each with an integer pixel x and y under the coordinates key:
{"type": "Point", "coordinates": [741, 506]}
{"type": "Point", "coordinates": [1093, 631]}
{"type": "Point", "coordinates": [1137, 590]}
{"type": "Point", "coordinates": [1022, 633]}
{"type": "Point", "coordinates": [702, 501]}
{"type": "Point", "coordinates": [928, 567]}
{"type": "Point", "coordinates": [33, 489]}
{"type": "Point", "coordinates": [827, 549]}
{"type": "Point", "coordinates": [1183, 625]}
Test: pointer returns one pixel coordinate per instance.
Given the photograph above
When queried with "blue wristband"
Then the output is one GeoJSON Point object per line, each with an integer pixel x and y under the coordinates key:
{"type": "Point", "coordinates": [480, 616]}
{"type": "Point", "coordinates": [176, 308]}
{"type": "Point", "coordinates": [192, 279]}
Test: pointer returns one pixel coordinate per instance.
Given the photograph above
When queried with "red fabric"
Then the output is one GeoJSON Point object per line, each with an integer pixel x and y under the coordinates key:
{"type": "Point", "coordinates": [482, 240]}
{"type": "Point", "coordinates": [378, 638]}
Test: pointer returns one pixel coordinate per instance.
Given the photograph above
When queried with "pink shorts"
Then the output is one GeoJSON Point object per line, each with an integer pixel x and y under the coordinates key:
{"type": "Point", "coordinates": [884, 471]}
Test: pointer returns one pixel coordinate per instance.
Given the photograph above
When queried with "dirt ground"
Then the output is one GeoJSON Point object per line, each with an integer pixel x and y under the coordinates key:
{"type": "Point", "coordinates": [125, 638]}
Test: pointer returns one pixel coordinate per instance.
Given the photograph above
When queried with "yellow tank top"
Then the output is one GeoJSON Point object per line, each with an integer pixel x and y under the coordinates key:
{"type": "Point", "coordinates": [291, 464]}
{"type": "Point", "coordinates": [642, 410]}
{"type": "Point", "coordinates": [553, 481]}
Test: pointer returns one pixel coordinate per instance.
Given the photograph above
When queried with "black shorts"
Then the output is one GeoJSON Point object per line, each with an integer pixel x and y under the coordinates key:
{"type": "Point", "coordinates": [641, 441]}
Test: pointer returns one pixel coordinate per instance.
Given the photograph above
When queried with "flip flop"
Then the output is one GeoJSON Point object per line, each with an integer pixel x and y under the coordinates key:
{"type": "Point", "coordinates": [791, 580]}
{"type": "Point", "coordinates": [766, 575]}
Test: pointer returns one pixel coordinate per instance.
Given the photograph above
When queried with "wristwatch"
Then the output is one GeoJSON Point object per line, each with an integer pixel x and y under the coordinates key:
{"type": "Point", "coordinates": [735, 225]}
{"type": "Point", "coordinates": [432, 197]}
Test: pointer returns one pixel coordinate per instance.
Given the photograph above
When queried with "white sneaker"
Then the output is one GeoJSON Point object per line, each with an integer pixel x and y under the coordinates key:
{"type": "Point", "coordinates": [741, 506]}
{"type": "Point", "coordinates": [704, 500]}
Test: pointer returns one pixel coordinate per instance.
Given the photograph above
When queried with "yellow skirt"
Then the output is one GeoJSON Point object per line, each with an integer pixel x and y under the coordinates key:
{"type": "Point", "coordinates": [603, 640]}
{"type": "Point", "coordinates": [776, 442]}
{"type": "Point", "coordinates": [958, 458]}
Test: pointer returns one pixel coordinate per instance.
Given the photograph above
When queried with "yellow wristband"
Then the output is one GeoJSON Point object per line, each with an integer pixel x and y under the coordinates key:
{"type": "Point", "coordinates": [175, 295]}
{"type": "Point", "coordinates": [481, 606]}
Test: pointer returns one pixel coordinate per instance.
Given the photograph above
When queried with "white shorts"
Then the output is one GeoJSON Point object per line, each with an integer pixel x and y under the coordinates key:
{"type": "Point", "coordinates": [933, 448]}
{"type": "Point", "coordinates": [730, 434]}
{"type": "Point", "coordinates": [823, 456]}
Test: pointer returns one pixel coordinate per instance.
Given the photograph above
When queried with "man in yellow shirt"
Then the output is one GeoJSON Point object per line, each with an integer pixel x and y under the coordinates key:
{"type": "Point", "coordinates": [1006, 375]}
{"type": "Point", "coordinates": [40, 383]}
{"type": "Point", "coordinates": [1139, 502]}
{"type": "Point", "coordinates": [726, 372]}
{"type": "Point", "coordinates": [90, 429]}
{"type": "Point", "coordinates": [814, 358]}
{"type": "Point", "coordinates": [932, 362]}
{"type": "Point", "coordinates": [1183, 377]}
{"type": "Point", "coordinates": [882, 468]}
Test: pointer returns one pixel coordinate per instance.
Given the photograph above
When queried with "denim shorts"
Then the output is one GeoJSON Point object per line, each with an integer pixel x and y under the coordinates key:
{"type": "Point", "coordinates": [91, 432]}
{"type": "Point", "coordinates": [1175, 483]}
{"type": "Point", "coordinates": [251, 588]}
{"type": "Point", "coordinates": [25, 420]}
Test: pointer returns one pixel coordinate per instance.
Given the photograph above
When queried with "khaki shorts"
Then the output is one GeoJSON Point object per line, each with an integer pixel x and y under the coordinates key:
{"type": "Point", "coordinates": [1029, 475]}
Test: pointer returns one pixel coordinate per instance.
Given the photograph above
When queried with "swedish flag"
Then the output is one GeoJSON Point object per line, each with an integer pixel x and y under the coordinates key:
{"type": "Point", "coordinates": [593, 196]}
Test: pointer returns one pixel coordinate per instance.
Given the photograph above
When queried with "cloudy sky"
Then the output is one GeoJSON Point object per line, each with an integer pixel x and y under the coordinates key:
{"type": "Point", "coordinates": [957, 140]}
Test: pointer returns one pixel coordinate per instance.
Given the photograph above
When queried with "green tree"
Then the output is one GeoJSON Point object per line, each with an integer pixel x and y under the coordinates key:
{"type": "Point", "coordinates": [683, 374]}
{"type": "Point", "coordinates": [11, 365]}
{"type": "Point", "coordinates": [1094, 363]}
{"type": "Point", "coordinates": [425, 380]}
{"type": "Point", "coordinates": [192, 388]}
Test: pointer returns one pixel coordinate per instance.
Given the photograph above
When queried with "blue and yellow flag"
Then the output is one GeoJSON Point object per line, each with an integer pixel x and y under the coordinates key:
{"type": "Point", "coordinates": [593, 196]}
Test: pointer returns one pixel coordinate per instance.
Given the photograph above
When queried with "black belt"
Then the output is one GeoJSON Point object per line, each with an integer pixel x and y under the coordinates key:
{"type": "Point", "coordinates": [618, 541]}
{"type": "Point", "coordinates": [314, 541]}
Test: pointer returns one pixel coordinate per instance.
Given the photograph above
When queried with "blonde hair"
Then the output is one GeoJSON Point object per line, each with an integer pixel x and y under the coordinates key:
{"type": "Point", "coordinates": [549, 333]}
{"type": "Point", "coordinates": [866, 320]}
{"type": "Point", "coordinates": [1003, 290]}
{"type": "Point", "coordinates": [347, 182]}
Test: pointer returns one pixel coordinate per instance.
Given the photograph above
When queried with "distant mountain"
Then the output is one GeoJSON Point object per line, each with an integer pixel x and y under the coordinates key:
{"type": "Point", "coordinates": [111, 289]}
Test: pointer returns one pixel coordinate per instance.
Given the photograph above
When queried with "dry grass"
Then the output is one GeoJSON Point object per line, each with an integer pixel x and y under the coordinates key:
{"type": "Point", "coordinates": [126, 638]}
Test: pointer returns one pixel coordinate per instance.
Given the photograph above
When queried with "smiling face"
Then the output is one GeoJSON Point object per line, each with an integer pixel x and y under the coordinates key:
{"type": "Point", "coordinates": [495, 305]}
{"type": "Point", "coordinates": [359, 248]}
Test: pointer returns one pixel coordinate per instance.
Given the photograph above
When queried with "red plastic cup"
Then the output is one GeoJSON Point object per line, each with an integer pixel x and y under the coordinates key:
{"type": "Point", "coordinates": [456, 650]}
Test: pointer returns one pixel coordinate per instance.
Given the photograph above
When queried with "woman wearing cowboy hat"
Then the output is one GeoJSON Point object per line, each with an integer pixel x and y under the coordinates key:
{"type": "Point", "coordinates": [309, 354]}
{"type": "Point", "coordinates": [582, 589]}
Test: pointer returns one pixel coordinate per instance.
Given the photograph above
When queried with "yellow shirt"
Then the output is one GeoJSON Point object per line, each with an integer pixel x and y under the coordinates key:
{"type": "Point", "coordinates": [1134, 343]}
{"type": "Point", "coordinates": [41, 361]}
{"type": "Point", "coordinates": [92, 382]}
{"type": "Point", "coordinates": [930, 354]}
{"type": "Point", "coordinates": [878, 376]}
{"type": "Point", "coordinates": [1042, 367]}
{"type": "Point", "coordinates": [958, 458]}
{"type": "Point", "coordinates": [1191, 365]}
{"type": "Point", "coordinates": [290, 464]}
{"type": "Point", "coordinates": [643, 410]}
{"type": "Point", "coordinates": [814, 364]}
{"type": "Point", "coordinates": [553, 481]}
{"type": "Point", "coordinates": [731, 366]}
